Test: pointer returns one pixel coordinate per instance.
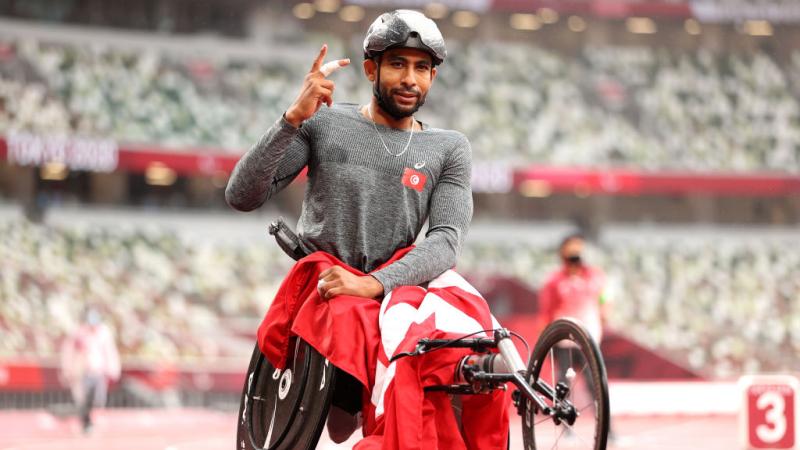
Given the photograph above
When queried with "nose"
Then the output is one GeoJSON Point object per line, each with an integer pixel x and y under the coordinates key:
{"type": "Point", "coordinates": [408, 79]}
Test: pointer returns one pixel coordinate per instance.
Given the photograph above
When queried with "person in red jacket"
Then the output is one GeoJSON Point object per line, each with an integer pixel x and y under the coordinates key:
{"type": "Point", "coordinates": [574, 290]}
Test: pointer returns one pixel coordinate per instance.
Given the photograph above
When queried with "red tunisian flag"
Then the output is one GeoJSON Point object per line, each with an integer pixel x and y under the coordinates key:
{"type": "Point", "coordinates": [414, 179]}
{"type": "Point", "coordinates": [361, 335]}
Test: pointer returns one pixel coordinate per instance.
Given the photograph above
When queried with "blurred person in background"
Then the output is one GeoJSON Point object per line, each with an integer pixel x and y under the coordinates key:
{"type": "Point", "coordinates": [89, 362]}
{"type": "Point", "coordinates": [574, 290]}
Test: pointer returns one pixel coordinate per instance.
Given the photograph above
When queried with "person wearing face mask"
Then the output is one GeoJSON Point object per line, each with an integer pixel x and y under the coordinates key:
{"type": "Point", "coordinates": [575, 290]}
{"type": "Point", "coordinates": [89, 362]}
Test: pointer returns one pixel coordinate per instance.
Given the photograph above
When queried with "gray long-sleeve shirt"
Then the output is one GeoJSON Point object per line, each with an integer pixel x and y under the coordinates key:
{"type": "Point", "coordinates": [362, 204]}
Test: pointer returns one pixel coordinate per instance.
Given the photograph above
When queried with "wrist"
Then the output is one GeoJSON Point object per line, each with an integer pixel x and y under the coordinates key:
{"type": "Point", "coordinates": [291, 117]}
{"type": "Point", "coordinates": [374, 287]}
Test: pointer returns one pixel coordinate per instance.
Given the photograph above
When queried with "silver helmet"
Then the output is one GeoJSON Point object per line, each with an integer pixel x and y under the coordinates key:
{"type": "Point", "coordinates": [406, 29]}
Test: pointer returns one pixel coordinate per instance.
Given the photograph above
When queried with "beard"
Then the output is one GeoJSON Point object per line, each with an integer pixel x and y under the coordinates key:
{"type": "Point", "coordinates": [388, 104]}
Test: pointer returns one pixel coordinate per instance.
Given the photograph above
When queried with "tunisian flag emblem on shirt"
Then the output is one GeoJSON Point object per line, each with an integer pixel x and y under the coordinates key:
{"type": "Point", "coordinates": [414, 179]}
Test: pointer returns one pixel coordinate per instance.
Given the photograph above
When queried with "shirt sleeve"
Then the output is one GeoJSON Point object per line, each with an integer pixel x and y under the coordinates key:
{"type": "Point", "coordinates": [448, 221]}
{"type": "Point", "coordinates": [269, 166]}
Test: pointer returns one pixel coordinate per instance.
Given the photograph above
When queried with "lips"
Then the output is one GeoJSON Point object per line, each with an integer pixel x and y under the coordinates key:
{"type": "Point", "coordinates": [406, 97]}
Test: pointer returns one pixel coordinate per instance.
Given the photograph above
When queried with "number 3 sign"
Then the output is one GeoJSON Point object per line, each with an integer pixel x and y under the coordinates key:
{"type": "Point", "coordinates": [768, 417]}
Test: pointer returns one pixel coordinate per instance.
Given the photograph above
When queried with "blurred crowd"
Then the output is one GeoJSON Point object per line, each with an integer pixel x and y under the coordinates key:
{"type": "Point", "coordinates": [138, 97]}
{"type": "Point", "coordinates": [166, 299]}
{"type": "Point", "coordinates": [643, 107]}
{"type": "Point", "coordinates": [722, 305]}
{"type": "Point", "coordinates": [627, 106]}
{"type": "Point", "coordinates": [725, 305]}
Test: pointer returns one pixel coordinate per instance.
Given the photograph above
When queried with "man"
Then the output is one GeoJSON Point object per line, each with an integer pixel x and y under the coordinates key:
{"type": "Point", "coordinates": [89, 361]}
{"type": "Point", "coordinates": [375, 174]}
{"type": "Point", "coordinates": [575, 290]}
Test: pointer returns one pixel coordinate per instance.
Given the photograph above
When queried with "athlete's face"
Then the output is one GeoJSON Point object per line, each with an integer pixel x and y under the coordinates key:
{"type": "Point", "coordinates": [406, 76]}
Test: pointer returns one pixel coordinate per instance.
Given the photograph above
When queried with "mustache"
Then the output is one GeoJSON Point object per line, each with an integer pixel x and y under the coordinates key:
{"type": "Point", "coordinates": [406, 92]}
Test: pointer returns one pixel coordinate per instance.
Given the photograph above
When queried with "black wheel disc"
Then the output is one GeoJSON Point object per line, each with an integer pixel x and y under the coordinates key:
{"type": "Point", "coordinates": [285, 409]}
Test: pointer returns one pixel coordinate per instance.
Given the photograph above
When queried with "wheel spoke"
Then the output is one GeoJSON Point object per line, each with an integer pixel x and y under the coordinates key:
{"type": "Point", "coordinates": [584, 367]}
{"type": "Point", "coordinates": [577, 435]}
{"type": "Point", "coordinates": [577, 377]}
{"type": "Point", "coordinates": [570, 382]}
{"type": "Point", "coordinates": [555, 442]}
{"type": "Point", "coordinates": [588, 405]}
{"type": "Point", "coordinates": [542, 420]}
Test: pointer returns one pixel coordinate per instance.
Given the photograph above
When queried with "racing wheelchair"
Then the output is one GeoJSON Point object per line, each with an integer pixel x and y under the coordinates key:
{"type": "Point", "coordinates": [561, 393]}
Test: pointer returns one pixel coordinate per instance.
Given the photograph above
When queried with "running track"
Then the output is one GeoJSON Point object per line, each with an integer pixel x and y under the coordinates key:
{"type": "Point", "coordinates": [126, 429]}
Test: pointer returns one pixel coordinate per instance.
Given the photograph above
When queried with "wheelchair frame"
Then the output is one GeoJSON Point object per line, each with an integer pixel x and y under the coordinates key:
{"type": "Point", "coordinates": [486, 373]}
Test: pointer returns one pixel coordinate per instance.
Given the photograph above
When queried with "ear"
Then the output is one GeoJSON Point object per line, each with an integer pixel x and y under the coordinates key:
{"type": "Point", "coordinates": [370, 69]}
{"type": "Point", "coordinates": [433, 74]}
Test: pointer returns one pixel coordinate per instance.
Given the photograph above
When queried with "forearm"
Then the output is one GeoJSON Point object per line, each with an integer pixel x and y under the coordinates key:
{"type": "Point", "coordinates": [433, 256]}
{"type": "Point", "coordinates": [253, 179]}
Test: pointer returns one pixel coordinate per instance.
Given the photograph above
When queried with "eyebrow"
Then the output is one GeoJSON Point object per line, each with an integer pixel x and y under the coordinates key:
{"type": "Point", "coordinates": [405, 59]}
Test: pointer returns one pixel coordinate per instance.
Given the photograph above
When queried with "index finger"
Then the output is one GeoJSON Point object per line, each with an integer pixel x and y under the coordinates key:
{"type": "Point", "coordinates": [321, 57]}
{"type": "Point", "coordinates": [330, 67]}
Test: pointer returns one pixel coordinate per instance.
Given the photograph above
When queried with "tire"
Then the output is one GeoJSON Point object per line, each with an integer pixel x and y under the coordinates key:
{"type": "Point", "coordinates": [285, 409]}
{"type": "Point", "coordinates": [588, 390]}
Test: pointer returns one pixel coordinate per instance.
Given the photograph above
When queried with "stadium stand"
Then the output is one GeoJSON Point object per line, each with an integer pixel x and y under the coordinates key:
{"type": "Point", "coordinates": [614, 106]}
{"type": "Point", "coordinates": [699, 300]}
{"type": "Point", "coordinates": [168, 299]}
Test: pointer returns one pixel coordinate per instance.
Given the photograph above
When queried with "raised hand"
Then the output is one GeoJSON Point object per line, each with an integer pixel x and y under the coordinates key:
{"type": "Point", "coordinates": [317, 89]}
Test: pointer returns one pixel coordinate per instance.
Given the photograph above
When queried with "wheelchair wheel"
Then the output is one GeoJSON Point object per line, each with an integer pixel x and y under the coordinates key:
{"type": "Point", "coordinates": [568, 359]}
{"type": "Point", "coordinates": [285, 409]}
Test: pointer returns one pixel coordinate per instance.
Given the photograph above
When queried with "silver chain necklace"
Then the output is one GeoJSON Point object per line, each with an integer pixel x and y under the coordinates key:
{"type": "Point", "coordinates": [385, 147]}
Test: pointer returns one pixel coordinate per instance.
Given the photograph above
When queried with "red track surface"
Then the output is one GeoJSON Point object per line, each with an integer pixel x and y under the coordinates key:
{"type": "Point", "coordinates": [206, 430]}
